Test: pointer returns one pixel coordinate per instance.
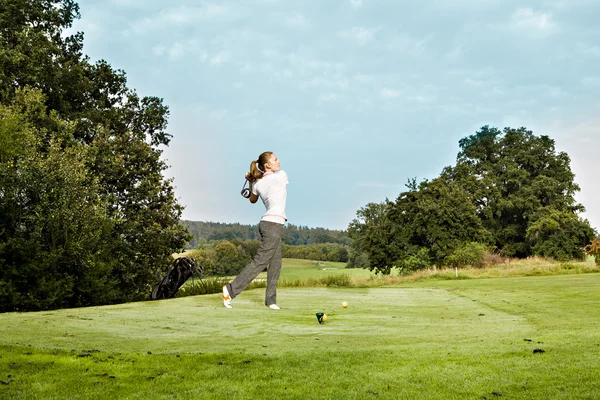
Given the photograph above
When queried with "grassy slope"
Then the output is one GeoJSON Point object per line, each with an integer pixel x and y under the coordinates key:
{"type": "Point", "coordinates": [433, 339]}
{"type": "Point", "coordinates": [294, 269]}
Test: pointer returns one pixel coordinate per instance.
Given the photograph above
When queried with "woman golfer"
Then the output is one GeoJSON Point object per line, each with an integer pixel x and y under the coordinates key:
{"type": "Point", "coordinates": [268, 182]}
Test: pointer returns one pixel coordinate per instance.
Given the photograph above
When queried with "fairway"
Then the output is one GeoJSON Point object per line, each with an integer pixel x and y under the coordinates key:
{"type": "Point", "coordinates": [532, 337]}
{"type": "Point", "coordinates": [294, 269]}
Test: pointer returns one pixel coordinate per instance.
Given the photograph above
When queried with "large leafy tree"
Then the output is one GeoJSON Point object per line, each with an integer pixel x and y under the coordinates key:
{"type": "Point", "coordinates": [422, 227]}
{"type": "Point", "coordinates": [115, 133]}
{"type": "Point", "coordinates": [509, 190]}
{"type": "Point", "coordinates": [517, 180]}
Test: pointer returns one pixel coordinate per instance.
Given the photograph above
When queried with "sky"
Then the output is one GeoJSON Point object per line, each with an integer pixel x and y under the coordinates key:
{"type": "Point", "coordinates": [355, 97]}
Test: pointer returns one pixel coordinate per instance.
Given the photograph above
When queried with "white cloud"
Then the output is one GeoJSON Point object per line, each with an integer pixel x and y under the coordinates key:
{"type": "Point", "coordinates": [269, 53]}
{"type": "Point", "coordinates": [297, 21]}
{"type": "Point", "coordinates": [421, 98]}
{"type": "Point", "coordinates": [312, 65]}
{"type": "Point", "coordinates": [336, 82]}
{"type": "Point", "coordinates": [387, 93]}
{"type": "Point", "coordinates": [177, 51]}
{"type": "Point", "coordinates": [286, 73]}
{"type": "Point", "coordinates": [363, 78]}
{"type": "Point", "coordinates": [356, 3]}
{"type": "Point", "coordinates": [178, 17]}
{"type": "Point", "coordinates": [215, 59]}
{"type": "Point", "coordinates": [474, 82]}
{"type": "Point", "coordinates": [593, 81]}
{"type": "Point", "coordinates": [536, 22]}
{"type": "Point", "coordinates": [327, 98]}
{"type": "Point", "coordinates": [589, 50]}
{"type": "Point", "coordinates": [455, 54]}
{"type": "Point", "coordinates": [577, 136]}
{"type": "Point", "coordinates": [159, 50]}
{"type": "Point", "coordinates": [359, 34]}
{"type": "Point", "coordinates": [408, 45]}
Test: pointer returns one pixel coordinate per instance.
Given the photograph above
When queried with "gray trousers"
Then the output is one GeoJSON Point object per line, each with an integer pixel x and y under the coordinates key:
{"type": "Point", "coordinates": [268, 255]}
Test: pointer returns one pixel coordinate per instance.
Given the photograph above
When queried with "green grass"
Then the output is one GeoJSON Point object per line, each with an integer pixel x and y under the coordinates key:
{"type": "Point", "coordinates": [435, 339]}
{"type": "Point", "coordinates": [295, 269]}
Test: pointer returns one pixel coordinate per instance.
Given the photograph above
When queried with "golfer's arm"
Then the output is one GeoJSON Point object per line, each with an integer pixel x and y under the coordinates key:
{"type": "Point", "coordinates": [253, 198]}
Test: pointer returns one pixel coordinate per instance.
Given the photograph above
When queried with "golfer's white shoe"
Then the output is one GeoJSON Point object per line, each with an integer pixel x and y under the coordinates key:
{"type": "Point", "coordinates": [274, 307]}
{"type": "Point", "coordinates": [226, 298]}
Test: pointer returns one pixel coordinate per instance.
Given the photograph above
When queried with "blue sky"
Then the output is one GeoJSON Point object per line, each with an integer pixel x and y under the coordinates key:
{"type": "Point", "coordinates": [354, 96]}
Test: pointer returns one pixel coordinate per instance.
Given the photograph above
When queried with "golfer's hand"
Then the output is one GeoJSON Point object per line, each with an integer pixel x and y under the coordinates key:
{"type": "Point", "coordinates": [249, 176]}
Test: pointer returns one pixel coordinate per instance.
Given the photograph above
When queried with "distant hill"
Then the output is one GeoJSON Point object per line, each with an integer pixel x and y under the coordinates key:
{"type": "Point", "coordinates": [292, 235]}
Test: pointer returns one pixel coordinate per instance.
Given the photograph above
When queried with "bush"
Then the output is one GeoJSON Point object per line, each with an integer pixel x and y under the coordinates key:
{"type": "Point", "coordinates": [593, 249]}
{"type": "Point", "coordinates": [417, 261]}
{"type": "Point", "coordinates": [473, 254]}
{"type": "Point", "coordinates": [358, 260]}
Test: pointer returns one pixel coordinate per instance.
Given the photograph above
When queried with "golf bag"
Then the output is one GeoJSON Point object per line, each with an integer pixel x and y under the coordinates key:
{"type": "Point", "coordinates": [183, 269]}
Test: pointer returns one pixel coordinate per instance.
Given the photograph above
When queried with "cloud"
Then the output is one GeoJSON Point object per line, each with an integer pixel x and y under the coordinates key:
{"type": "Point", "coordinates": [177, 51]}
{"type": "Point", "coordinates": [455, 54]}
{"type": "Point", "coordinates": [327, 98]}
{"type": "Point", "coordinates": [359, 34]}
{"type": "Point", "coordinates": [363, 78]}
{"type": "Point", "coordinates": [408, 45]}
{"type": "Point", "coordinates": [159, 50]}
{"type": "Point", "coordinates": [178, 17]}
{"type": "Point", "coordinates": [388, 93]}
{"type": "Point", "coordinates": [356, 3]}
{"type": "Point", "coordinates": [536, 22]}
{"type": "Point", "coordinates": [591, 81]}
{"type": "Point", "coordinates": [337, 82]}
{"type": "Point", "coordinates": [589, 50]}
{"type": "Point", "coordinates": [577, 135]}
{"type": "Point", "coordinates": [216, 59]}
{"type": "Point", "coordinates": [297, 21]}
{"type": "Point", "coordinates": [310, 65]}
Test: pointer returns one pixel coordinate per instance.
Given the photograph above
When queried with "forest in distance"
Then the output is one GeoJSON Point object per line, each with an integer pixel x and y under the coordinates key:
{"type": "Point", "coordinates": [293, 235]}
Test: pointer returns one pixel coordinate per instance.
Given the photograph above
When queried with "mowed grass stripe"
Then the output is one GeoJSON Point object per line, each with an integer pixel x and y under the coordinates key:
{"type": "Point", "coordinates": [374, 317]}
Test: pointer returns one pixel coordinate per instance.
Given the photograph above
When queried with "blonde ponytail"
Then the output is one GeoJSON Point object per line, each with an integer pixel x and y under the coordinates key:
{"type": "Point", "coordinates": [257, 167]}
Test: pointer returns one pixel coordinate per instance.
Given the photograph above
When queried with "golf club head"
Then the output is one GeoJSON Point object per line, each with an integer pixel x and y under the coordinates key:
{"type": "Point", "coordinates": [245, 191]}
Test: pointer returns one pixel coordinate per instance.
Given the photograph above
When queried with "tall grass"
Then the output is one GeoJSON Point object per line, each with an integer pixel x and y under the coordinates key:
{"type": "Point", "coordinates": [210, 285]}
{"type": "Point", "coordinates": [329, 280]}
{"type": "Point", "coordinates": [500, 267]}
{"type": "Point", "coordinates": [533, 266]}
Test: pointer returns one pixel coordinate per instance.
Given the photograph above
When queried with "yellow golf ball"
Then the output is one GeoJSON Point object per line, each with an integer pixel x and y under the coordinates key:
{"type": "Point", "coordinates": [324, 319]}
{"type": "Point", "coordinates": [344, 304]}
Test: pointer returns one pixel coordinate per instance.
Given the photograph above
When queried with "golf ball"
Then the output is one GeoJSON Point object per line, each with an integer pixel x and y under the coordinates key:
{"type": "Point", "coordinates": [324, 319]}
{"type": "Point", "coordinates": [344, 304]}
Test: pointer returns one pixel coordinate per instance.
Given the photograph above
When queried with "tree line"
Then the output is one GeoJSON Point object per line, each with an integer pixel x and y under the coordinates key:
{"type": "Point", "coordinates": [293, 235]}
{"type": "Point", "coordinates": [226, 258]}
{"type": "Point", "coordinates": [509, 192]}
{"type": "Point", "coordinates": [86, 214]}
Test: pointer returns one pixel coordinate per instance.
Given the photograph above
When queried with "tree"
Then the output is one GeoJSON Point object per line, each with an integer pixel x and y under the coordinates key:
{"type": "Point", "coordinates": [509, 190]}
{"type": "Point", "coordinates": [120, 132]}
{"type": "Point", "coordinates": [558, 234]}
{"type": "Point", "coordinates": [370, 234]}
{"type": "Point", "coordinates": [513, 175]}
{"type": "Point", "coordinates": [55, 234]}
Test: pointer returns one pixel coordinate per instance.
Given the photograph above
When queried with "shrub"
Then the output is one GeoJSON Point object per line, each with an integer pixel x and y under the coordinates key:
{"type": "Point", "coordinates": [473, 254]}
{"type": "Point", "coordinates": [593, 249]}
{"type": "Point", "coordinates": [417, 261]}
